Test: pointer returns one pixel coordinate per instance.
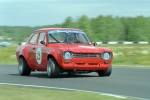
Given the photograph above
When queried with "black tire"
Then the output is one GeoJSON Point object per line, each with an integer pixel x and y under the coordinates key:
{"type": "Point", "coordinates": [53, 69]}
{"type": "Point", "coordinates": [106, 72]}
{"type": "Point", "coordinates": [23, 67]}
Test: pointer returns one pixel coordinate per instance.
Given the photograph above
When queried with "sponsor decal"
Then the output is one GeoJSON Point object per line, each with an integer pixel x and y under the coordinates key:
{"type": "Point", "coordinates": [66, 31]}
{"type": "Point", "coordinates": [86, 47]}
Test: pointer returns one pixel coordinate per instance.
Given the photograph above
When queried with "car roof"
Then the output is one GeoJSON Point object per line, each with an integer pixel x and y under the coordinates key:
{"type": "Point", "coordinates": [48, 29]}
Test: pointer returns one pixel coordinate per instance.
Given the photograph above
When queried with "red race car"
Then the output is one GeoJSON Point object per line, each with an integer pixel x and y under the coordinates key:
{"type": "Point", "coordinates": [58, 50]}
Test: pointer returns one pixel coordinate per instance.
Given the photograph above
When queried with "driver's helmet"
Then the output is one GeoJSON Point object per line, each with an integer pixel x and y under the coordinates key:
{"type": "Point", "coordinates": [71, 39]}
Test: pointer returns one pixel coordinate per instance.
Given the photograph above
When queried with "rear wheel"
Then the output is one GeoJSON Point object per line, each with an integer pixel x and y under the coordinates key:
{"type": "Point", "coordinates": [53, 69]}
{"type": "Point", "coordinates": [106, 72]}
{"type": "Point", "coordinates": [23, 67]}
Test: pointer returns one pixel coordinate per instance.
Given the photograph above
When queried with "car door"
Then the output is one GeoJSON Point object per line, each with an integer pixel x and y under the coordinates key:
{"type": "Point", "coordinates": [40, 52]}
{"type": "Point", "coordinates": [31, 49]}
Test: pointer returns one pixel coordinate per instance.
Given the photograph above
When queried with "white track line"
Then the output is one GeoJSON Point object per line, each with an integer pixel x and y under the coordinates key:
{"type": "Point", "coordinates": [57, 88]}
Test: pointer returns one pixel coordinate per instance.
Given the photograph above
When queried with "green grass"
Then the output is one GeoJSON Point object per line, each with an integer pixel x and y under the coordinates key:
{"type": "Point", "coordinates": [130, 54]}
{"type": "Point", "coordinates": [29, 93]}
{"type": "Point", "coordinates": [8, 55]}
{"type": "Point", "coordinates": [123, 54]}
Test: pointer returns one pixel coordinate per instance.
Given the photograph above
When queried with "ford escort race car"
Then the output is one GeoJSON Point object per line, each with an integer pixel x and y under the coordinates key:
{"type": "Point", "coordinates": [58, 50]}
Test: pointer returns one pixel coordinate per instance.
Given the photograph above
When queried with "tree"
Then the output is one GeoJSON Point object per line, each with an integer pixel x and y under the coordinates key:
{"type": "Point", "coordinates": [83, 23]}
{"type": "Point", "coordinates": [68, 23]}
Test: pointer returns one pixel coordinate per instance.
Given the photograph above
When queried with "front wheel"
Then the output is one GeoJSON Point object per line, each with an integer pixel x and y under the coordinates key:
{"type": "Point", "coordinates": [23, 67]}
{"type": "Point", "coordinates": [53, 69]}
{"type": "Point", "coordinates": [106, 72]}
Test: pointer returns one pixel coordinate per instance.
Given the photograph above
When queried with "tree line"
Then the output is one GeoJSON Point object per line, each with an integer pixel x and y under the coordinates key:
{"type": "Point", "coordinates": [100, 29]}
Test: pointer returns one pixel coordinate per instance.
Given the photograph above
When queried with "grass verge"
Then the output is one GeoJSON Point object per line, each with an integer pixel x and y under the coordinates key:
{"type": "Point", "coordinates": [8, 55]}
{"type": "Point", "coordinates": [28, 93]}
{"type": "Point", "coordinates": [130, 54]}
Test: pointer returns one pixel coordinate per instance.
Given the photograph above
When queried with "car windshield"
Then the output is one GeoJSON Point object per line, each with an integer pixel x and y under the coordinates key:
{"type": "Point", "coordinates": [67, 36]}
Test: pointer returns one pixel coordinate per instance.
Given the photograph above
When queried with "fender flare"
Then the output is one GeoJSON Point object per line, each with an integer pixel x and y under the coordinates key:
{"type": "Point", "coordinates": [56, 54]}
{"type": "Point", "coordinates": [24, 53]}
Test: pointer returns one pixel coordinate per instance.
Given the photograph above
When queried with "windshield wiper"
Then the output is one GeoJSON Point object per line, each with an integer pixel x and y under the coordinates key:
{"type": "Point", "coordinates": [54, 38]}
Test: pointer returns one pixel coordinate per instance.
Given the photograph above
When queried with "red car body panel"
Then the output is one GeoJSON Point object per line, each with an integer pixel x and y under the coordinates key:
{"type": "Point", "coordinates": [55, 50]}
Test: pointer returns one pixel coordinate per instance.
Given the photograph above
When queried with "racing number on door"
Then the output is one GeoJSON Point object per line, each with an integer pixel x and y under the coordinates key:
{"type": "Point", "coordinates": [39, 56]}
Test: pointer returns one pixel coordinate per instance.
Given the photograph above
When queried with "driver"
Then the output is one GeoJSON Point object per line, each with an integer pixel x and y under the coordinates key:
{"type": "Point", "coordinates": [71, 39]}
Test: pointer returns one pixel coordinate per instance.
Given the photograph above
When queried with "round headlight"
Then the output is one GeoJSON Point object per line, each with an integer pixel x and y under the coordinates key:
{"type": "Point", "coordinates": [106, 56]}
{"type": "Point", "coordinates": [67, 55]}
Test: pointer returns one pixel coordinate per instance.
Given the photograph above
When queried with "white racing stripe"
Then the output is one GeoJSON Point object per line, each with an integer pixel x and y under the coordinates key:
{"type": "Point", "coordinates": [68, 89]}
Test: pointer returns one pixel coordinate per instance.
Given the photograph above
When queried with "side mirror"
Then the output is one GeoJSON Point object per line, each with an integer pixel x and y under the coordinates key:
{"type": "Point", "coordinates": [42, 42]}
{"type": "Point", "coordinates": [94, 43]}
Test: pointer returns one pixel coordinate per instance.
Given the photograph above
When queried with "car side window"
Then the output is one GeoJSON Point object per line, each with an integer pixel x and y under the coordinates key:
{"type": "Point", "coordinates": [33, 39]}
{"type": "Point", "coordinates": [41, 38]}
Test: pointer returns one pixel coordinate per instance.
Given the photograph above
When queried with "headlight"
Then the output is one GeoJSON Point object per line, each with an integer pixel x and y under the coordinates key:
{"type": "Point", "coordinates": [67, 55]}
{"type": "Point", "coordinates": [106, 56]}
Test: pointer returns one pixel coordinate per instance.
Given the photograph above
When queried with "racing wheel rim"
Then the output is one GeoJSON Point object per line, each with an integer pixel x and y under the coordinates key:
{"type": "Point", "coordinates": [20, 66]}
{"type": "Point", "coordinates": [49, 68]}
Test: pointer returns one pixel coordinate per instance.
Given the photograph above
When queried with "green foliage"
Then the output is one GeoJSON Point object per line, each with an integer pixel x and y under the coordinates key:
{"type": "Point", "coordinates": [101, 28]}
{"type": "Point", "coordinates": [68, 23]}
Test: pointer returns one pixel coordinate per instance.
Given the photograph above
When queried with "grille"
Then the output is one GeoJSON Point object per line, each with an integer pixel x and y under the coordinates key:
{"type": "Point", "coordinates": [85, 55]}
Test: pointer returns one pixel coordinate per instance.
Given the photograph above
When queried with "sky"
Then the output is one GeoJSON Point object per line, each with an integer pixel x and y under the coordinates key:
{"type": "Point", "coordinates": [49, 12]}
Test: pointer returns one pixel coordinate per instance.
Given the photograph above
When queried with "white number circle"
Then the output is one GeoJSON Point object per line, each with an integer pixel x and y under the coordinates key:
{"type": "Point", "coordinates": [39, 56]}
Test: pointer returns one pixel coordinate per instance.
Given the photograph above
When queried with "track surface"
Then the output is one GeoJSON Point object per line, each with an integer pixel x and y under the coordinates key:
{"type": "Point", "coordinates": [123, 81]}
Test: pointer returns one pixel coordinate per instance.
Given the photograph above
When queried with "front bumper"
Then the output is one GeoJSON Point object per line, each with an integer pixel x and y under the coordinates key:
{"type": "Point", "coordinates": [85, 64]}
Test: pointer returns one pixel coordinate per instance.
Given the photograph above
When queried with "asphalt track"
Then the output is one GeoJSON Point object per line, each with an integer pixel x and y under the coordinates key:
{"type": "Point", "coordinates": [133, 82]}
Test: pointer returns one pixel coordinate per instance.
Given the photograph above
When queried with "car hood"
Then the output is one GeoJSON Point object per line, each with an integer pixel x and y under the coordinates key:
{"type": "Point", "coordinates": [76, 48]}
